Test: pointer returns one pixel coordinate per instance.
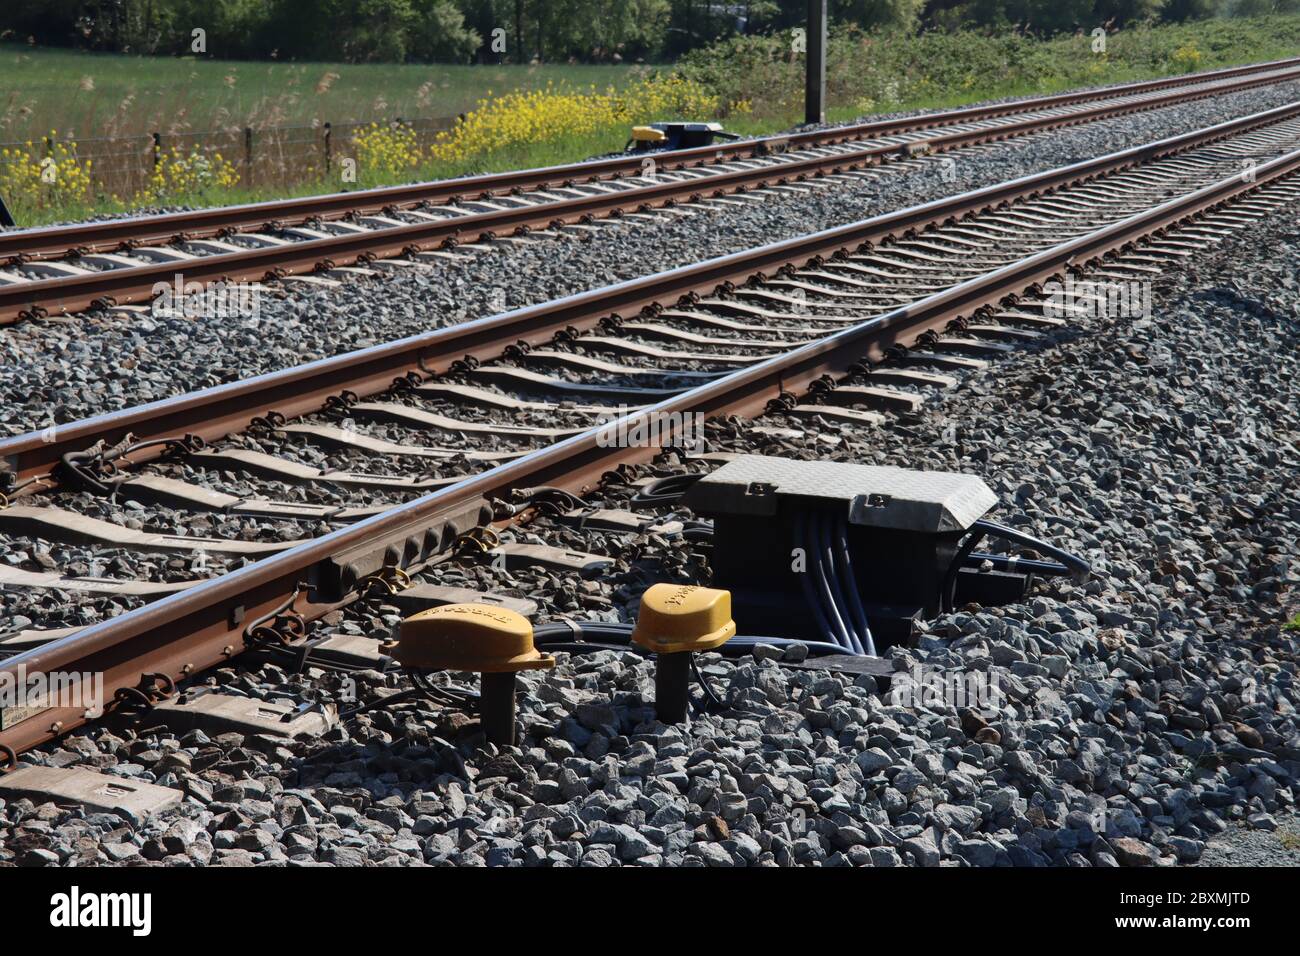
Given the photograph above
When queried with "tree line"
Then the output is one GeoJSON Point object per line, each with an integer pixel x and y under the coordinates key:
{"type": "Point", "coordinates": [521, 31]}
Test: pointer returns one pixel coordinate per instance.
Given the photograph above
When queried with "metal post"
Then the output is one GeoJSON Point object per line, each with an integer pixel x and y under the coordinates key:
{"type": "Point", "coordinates": [248, 156]}
{"type": "Point", "coordinates": [497, 708]}
{"type": "Point", "coordinates": [815, 94]}
{"type": "Point", "coordinates": [329, 130]}
{"type": "Point", "coordinates": [157, 149]}
{"type": "Point", "coordinates": [672, 687]}
{"type": "Point", "coordinates": [519, 31]}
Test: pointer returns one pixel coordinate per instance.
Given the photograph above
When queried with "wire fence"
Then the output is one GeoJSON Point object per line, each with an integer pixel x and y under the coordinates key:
{"type": "Point", "coordinates": [262, 158]}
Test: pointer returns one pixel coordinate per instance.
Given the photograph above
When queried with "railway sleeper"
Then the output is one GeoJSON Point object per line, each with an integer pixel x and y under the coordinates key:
{"type": "Point", "coordinates": [291, 472]}
{"type": "Point", "coordinates": [56, 524]}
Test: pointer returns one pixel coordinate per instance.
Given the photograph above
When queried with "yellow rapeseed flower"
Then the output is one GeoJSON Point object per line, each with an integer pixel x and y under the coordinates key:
{"type": "Point", "coordinates": [179, 174]}
{"type": "Point", "coordinates": [30, 180]}
{"type": "Point", "coordinates": [555, 113]}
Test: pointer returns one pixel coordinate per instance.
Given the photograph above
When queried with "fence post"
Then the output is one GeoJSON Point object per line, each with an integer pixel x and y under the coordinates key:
{"type": "Point", "coordinates": [248, 156]}
{"type": "Point", "coordinates": [329, 128]}
{"type": "Point", "coordinates": [157, 149]}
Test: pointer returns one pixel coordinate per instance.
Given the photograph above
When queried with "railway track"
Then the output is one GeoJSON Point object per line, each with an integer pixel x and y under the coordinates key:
{"type": "Point", "coordinates": [852, 323]}
{"type": "Point", "coordinates": [119, 264]}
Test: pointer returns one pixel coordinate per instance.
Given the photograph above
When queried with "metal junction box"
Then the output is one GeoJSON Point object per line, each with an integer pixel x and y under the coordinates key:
{"type": "Point", "coordinates": [901, 530]}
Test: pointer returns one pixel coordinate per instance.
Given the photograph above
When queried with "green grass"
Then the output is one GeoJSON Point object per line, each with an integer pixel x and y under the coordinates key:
{"type": "Point", "coordinates": [106, 94]}
{"type": "Point", "coordinates": [866, 75]}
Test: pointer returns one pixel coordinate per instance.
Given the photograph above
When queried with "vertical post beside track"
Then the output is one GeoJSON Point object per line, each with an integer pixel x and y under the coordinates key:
{"type": "Point", "coordinates": [815, 94]}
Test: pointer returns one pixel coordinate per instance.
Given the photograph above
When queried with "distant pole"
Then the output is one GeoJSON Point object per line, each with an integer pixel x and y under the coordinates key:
{"type": "Point", "coordinates": [519, 31]}
{"type": "Point", "coordinates": [815, 95]}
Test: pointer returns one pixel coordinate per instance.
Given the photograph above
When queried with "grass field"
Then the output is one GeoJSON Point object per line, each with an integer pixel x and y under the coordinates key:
{"type": "Point", "coordinates": [102, 94]}
{"type": "Point", "coordinates": [754, 85]}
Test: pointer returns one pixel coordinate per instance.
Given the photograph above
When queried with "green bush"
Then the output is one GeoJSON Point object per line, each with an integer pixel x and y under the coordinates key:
{"type": "Point", "coordinates": [873, 72]}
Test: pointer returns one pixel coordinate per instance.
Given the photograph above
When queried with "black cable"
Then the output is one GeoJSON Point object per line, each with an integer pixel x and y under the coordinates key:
{"type": "Point", "coordinates": [548, 496]}
{"type": "Point", "coordinates": [588, 636]}
{"type": "Point", "coordinates": [815, 648]}
{"type": "Point", "coordinates": [822, 522]}
{"type": "Point", "coordinates": [823, 586]}
{"type": "Point", "coordinates": [664, 491]}
{"type": "Point", "coordinates": [948, 593]}
{"type": "Point", "coordinates": [850, 582]}
{"type": "Point", "coordinates": [1066, 563]}
{"type": "Point", "coordinates": [696, 531]}
{"type": "Point", "coordinates": [712, 702]}
{"type": "Point", "coordinates": [1075, 566]}
{"type": "Point", "coordinates": [811, 600]}
{"type": "Point", "coordinates": [1003, 562]}
{"type": "Point", "coordinates": [589, 647]}
{"type": "Point", "coordinates": [457, 697]}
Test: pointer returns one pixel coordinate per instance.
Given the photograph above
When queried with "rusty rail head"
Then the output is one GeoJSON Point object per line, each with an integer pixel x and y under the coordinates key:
{"type": "Point", "coordinates": [56, 241]}
{"type": "Point", "coordinates": [139, 284]}
{"type": "Point", "coordinates": [202, 626]}
{"type": "Point", "coordinates": [215, 412]}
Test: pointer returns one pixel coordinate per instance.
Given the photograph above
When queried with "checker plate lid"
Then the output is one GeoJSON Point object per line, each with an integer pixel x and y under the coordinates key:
{"type": "Point", "coordinates": [929, 502]}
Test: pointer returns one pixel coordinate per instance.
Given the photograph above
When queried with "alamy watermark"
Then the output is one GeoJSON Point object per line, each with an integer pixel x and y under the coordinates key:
{"type": "Point", "coordinates": [24, 695]}
{"type": "Point", "coordinates": [946, 689]}
{"type": "Point", "coordinates": [1087, 299]}
{"type": "Point", "coordinates": [216, 300]}
{"type": "Point", "coordinates": [683, 431]}
{"type": "Point", "coordinates": [76, 909]}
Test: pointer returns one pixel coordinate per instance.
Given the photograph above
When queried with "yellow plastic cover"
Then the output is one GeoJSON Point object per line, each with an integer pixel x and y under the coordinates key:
{"type": "Point", "coordinates": [469, 637]}
{"type": "Point", "coordinates": [648, 134]}
{"type": "Point", "coordinates": [682, 617]}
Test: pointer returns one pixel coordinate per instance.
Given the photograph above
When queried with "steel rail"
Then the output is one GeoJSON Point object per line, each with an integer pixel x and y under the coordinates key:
{"type": "Point", "coordinates": [202, 627]}
{"type": "Point", "coordinates": [53, 241]}
{"type": "Point", "coordinates": [124, 233]}
{"type": "Point", "coordinates": [215, 412]}
{"type": "Point", "coordinates": [126, 285]}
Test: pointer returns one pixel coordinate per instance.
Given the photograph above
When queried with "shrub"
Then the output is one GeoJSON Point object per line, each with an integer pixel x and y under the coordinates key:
{"type": "Point", "coordinates": [385, 151]}
{"type": "Point", "coordinates": [32, 178]}
{"type": "Point", "coordinates": [520, 119]}
{"type": "Point", "coordinates": [183, 175]}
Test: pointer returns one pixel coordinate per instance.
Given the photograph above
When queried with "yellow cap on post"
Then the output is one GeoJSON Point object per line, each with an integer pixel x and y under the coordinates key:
{"type": "Point", "coordinates": [677, 618]}
{"type": "Point", "coordinates": [469, 637]}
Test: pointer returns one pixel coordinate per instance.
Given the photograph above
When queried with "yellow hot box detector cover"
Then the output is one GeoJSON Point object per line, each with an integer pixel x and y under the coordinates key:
{"type": "Point", "coordinates": [681, 617]}
{"type": "Point", "coordinates": [469, 637]}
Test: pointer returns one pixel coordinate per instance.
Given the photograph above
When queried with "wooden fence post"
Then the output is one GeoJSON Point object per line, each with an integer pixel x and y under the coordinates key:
{"type": "Point", "coordinates": [248, 156]}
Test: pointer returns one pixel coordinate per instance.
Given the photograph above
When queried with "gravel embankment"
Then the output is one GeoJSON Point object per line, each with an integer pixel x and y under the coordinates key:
{"type": "Point", "coordinates": [55, 373]}
{"type": "Point", "coordinates": [1270, 844]}
{"type": "Point", "coordinates": [1146, 713]}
